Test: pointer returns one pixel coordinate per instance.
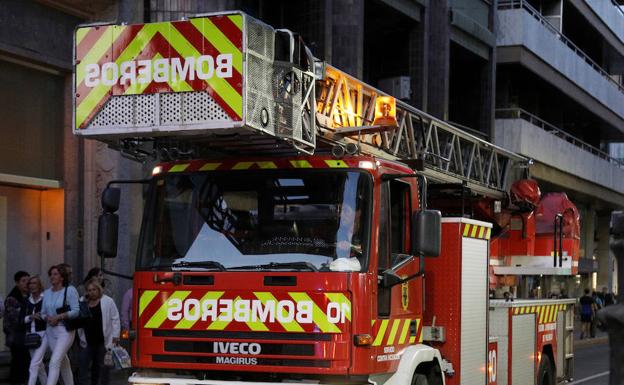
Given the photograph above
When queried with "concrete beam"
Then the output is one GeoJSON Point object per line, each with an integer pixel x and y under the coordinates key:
{"type": "Point", "coordinates": [603, 198]}
{"type": "Point", "coordinates": [599, 25]}
{"type": "Point", "coordinates": [521, 55]}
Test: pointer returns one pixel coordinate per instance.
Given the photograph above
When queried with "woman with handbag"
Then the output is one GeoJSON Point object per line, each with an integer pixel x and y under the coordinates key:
{"type": "Point", "coordinates": [60, 304]}
{"type": "Point", "coordinates": [99, 334]}
{"type": "Point", "coordinates": [35, 340]}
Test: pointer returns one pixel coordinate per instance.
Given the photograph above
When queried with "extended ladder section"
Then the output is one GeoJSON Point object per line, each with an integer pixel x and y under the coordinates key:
{"type": "Point", "coordinates": [226, 83]}
{"type": "Point", "coordinates": [350, 109]}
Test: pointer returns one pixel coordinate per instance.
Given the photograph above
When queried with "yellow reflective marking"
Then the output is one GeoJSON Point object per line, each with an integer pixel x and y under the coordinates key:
{"type": "Point", "coordinates": [488, 233]}
{"type": "Point", "coordinates": [81, 33]}
{"type": "Point", "coordinates": [292, 326]}
{"type": "Point", "coordinates": [243, 165]}
{"type": "Point", "coordinates": [161, 314]}
{"type": "Point", "coordinates": [187, 324]}
{"type": "Point", "coordinates": [318, 316]}
{"type": "Point", "coordinates": [554, 313]}
{"type": "Point", "coordinates": [393, 332]}
{"type": "Point", "coordinates": [405, 331]}
{"type": "Point", "coordinates": [266, 164]}
{"type": "Point", "coordinates": [132, 50]}
{"type": "Point", "coordinates": [219, 41]}
{"type": "Point", "coordinates": [381, 333]}
{"type": "Point", "coordinates": [373, 322]}
{"type": "Point", "coordinates": [336, 163]}
{"type": "Point", "coordinates": [481, 231]}
{"type": "Point", "coordinates": [237, 20]}
{"type": "Point", "coordinates": [257, 326]}
{"type": "Point", "coordinates": [300, 164]}
{"type": "Point", "coordinates": [540, 311]}
{"type": "Point", "coordinates": [340, 298]}
{"type": "Point", "coordinates": [532, 309]}
{"type": "Point", "coordinates": [466, 230]}
{"type": "Point", "coordinates": [412, 339]}
{"type": "Point", "coordinates": [473, 234]}
{"type": "Point", "coordinates": [99, 48]}
{"type": "Point", "coordinates": [146, 299]}
{"type": "Point", "coordinates": [179, 167]}
{"type": "Point", "coordinates": [210, 166]}
{"type": "Point", "coordinates": [219, 85]}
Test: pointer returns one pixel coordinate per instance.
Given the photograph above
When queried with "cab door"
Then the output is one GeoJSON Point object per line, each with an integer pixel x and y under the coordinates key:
{"type": "Point", "coordinates": [398, 320]}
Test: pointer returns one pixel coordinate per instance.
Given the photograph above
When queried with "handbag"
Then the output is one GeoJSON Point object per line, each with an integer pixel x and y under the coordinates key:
{"type": "Point", "coordinates": [121, 358]}
{"type": "Point", "coordinates": [84, 314]}
{"type": "Point", "coordinates": [32, 340]}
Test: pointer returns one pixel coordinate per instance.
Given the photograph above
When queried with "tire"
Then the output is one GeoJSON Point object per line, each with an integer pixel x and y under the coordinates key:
{"type": "Point", "coordinates": [546, 372]}
{"type": "Point", "coordinates": [419, 379]}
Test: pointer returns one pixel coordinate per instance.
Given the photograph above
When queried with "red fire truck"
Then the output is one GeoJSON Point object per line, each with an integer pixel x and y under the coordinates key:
{"type": "Point", "coordinates": [286, 235]}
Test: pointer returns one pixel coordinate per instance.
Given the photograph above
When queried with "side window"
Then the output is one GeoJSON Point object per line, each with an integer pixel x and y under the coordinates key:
{"type": "Point", "coordinates": [400, 209]}
{"type": "Point", "coordinates": [393, 233]}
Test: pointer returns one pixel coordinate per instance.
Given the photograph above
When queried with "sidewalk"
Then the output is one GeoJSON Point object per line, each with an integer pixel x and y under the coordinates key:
{"type": "Point", "coordinates": [600, 336]}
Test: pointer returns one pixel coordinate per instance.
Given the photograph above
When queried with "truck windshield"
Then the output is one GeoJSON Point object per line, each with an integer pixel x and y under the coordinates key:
{"type": "Point", "coordinates": [314, 220]}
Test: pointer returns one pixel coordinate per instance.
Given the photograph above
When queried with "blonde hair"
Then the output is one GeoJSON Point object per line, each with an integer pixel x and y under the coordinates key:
{"type": "Point", "coordinates": [95, 283]}
{"type": "Point", "coordinates": [38, 281]}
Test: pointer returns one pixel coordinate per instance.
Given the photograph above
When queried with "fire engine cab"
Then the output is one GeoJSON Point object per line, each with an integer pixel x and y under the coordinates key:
{"type": "Point", "coordinates": [292, 227]}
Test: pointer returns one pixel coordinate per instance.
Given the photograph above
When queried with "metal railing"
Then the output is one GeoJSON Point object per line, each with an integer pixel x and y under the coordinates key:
{"type": "Point", "coordinates": [519, 113]}
{"type": "Point", "coordinates": [523, 4]}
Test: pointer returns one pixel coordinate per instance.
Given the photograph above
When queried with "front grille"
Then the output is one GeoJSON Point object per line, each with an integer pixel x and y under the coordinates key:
{"type": "Point", "coordinates": [239, 361]}
{"type": "Point", "coordinates": [265, 348]}
{"type": "Point", "coordinates": [241, 335]}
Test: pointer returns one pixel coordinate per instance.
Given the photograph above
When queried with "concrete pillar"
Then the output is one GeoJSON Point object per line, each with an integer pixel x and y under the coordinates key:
{"type": "Point", "coordinates": [130, 11]}
{"type": "Point", "coordinates": [348, 36]}
{"type": "Point", "coordinates": [603, 254]}
{"type": "Point", "coordinates": [101, 166]}
{"type": "Point", "coordinates": [72, 186]}
{"type": "Point", "coordinates": [588, 232]}
{"type": "Point", "coordinates": [418, 61]}
{"type": "Point", "coordinates": [439, 59]}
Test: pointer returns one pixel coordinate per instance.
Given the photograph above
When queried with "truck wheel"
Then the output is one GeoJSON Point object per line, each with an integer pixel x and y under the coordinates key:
{"type": "Point", "coordinates": [546, 372]}
{"type": "Point", "coordinates": [419, 379]}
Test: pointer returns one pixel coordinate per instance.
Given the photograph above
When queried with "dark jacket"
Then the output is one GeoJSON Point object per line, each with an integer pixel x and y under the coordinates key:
{"type": "Point", "coordinates": [13, 325]}
{"type": "Point", "coordinates": [29, 309]}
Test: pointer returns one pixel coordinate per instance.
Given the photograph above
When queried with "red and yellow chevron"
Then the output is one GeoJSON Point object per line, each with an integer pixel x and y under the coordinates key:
{"type": "Point", "coordinates": [476, 231]}
{"type": "Point", "coordinates": [545, 313]}
{"type": "Point", "coordinates": [205, 165]}
{"type": "Point", "coordinates": [201, 54]}
{"type": "Point", "coordinates": [245, 311]}
{"type": "Point", "coordinates": [387, 332]}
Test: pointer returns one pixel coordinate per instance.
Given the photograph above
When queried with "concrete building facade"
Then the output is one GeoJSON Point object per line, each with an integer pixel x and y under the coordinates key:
{"type": "Point", "coordinates": [539, 77]}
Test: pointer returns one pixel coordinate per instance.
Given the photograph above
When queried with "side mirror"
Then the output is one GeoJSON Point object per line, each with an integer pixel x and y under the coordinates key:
{"type": "Point", "coordinates": [110, 199]}
{"type": "Point", "coordinates": [427, 233]}
{"type": "Point", "coordinates": [108, 228]}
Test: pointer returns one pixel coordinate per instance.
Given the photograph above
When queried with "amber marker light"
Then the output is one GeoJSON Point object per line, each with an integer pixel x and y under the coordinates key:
{"type": "Point", "coordinates": [125, 334]}
{"type": "Point", "coordinates": [363, 340]}
{"type": "Point", "coordinates": [385, 112]}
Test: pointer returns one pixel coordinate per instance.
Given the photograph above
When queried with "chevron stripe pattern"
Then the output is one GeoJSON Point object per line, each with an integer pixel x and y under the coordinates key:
{"type": "Point", "coordinates": [202, 165]}
{"type": "Point", "coordinates": [243, 311]}
{"type": "Point", "coordinates": [545, 313]}
{"type": "Point", "coordinates": [398, 331]}
{"type": "Point", "coordinates": [201, 54]}
{"type": "Point", "coordinates": [476, 231]}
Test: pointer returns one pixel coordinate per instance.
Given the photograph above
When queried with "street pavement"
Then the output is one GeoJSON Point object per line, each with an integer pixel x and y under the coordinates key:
{"type": "Point", "coordinates": [591, 362]}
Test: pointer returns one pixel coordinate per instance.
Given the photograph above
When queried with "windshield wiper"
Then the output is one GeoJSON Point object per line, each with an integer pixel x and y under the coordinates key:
{"type": "Point", "coordinates": [206, 264]}
{"type": "Point", "coordinates": [278, 265]}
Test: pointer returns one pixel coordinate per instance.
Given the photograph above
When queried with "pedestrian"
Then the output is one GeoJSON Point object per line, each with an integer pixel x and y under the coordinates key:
{"type": "Point", "coordinates": [97, 273]}
{"type": "Point", "coordinates": [35, 324]}
{"type": "Point", "coordinates": [609, 298]}
{"type": "Point", "coordinates": [598, 304]}
{"type": "Point", "coordinates": [60, 303]}
{"type": "Point", "coordinates": [101, 333]}
{"type": "Point", "coordinates": [126, 310]}
{"type": "Point", "coordinates": [14, 328]}
{"type": "Point", "coordinates": [587, 311]}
